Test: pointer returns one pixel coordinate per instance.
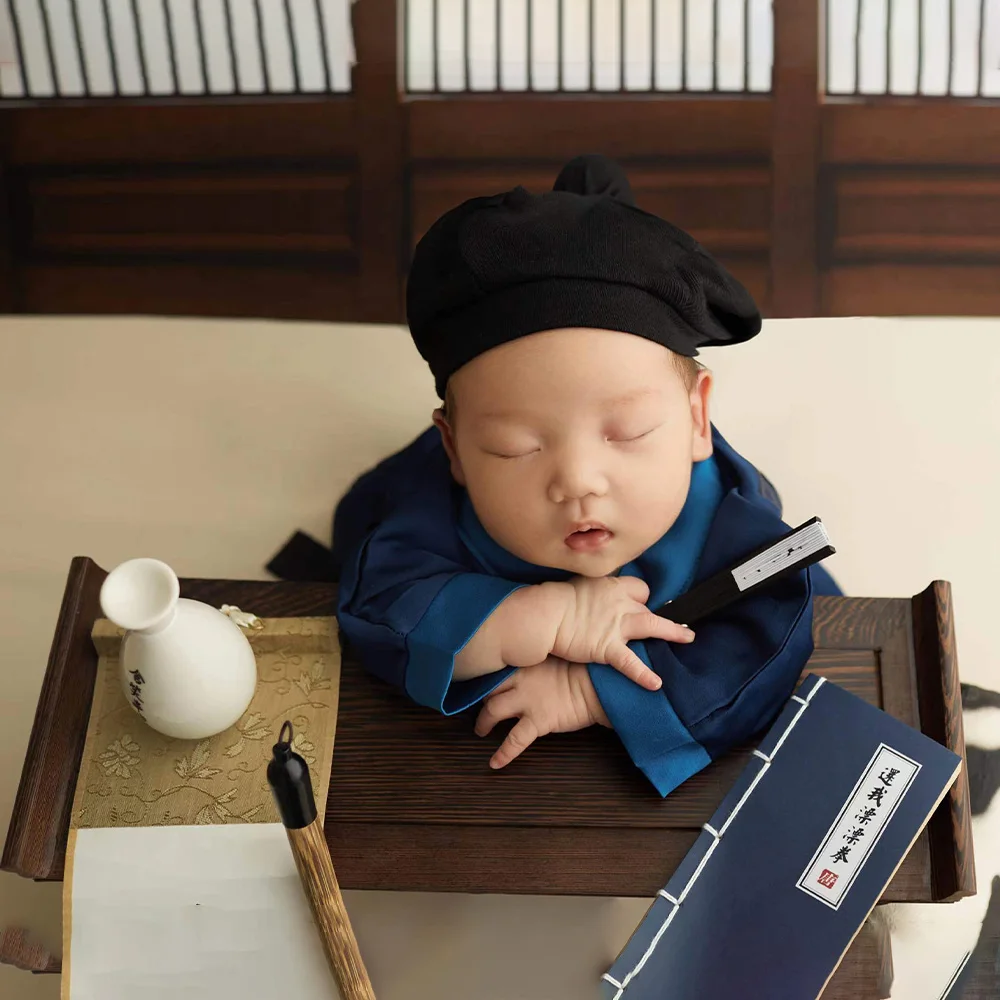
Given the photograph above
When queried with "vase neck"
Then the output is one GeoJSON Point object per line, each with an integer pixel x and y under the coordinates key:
{"type": "Point", "coordinates": [141, 596]}
{"type": "Point", "coordinates": [162, 624]}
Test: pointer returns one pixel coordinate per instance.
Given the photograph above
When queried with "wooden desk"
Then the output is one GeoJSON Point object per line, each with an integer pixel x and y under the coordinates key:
{"type": "Point", "coordinates": [413, 804]}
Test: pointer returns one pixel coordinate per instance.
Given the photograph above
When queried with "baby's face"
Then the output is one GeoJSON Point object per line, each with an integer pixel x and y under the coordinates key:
{"type": "Point", "coordinates": [576, 446]}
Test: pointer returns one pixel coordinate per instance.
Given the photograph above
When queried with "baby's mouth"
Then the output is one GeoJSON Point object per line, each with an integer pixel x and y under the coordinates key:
{"type": "Point", "coordinates": [589, 537]}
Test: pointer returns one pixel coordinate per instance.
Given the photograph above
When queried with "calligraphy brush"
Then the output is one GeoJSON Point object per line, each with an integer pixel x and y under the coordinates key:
{"type": "Point", "coordinates": [288, 776]}
{"type": "Point", "coordinates": [793, 551]}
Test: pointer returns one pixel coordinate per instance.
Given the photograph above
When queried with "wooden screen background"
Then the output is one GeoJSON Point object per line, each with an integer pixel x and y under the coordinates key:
{"type": "Point", "coordinates": [307, 205]}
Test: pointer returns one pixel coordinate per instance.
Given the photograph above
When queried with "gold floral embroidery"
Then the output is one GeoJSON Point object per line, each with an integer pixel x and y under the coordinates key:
{"type": "Point", "coordinates": [252, 729]}
{"type": "Point", "coordinates": [218, 811]}
{"type": "Point", "coordinates": [133, 776]}
{"type": "Point", "coordinates": [304, 748]}
{"type": "Point", "coordinates": [193, 766]}
{"type": "Point", "coordinates": [312, 680]}
{"type": "Point", "coordinates": [120, 757]}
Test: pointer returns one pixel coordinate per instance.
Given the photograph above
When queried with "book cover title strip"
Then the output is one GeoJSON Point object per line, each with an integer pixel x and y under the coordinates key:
{"type": "Point", "coordinates": [864, 817]}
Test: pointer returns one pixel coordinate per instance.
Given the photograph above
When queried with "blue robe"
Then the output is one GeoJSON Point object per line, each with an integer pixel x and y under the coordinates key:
{"type": "Point", "coordinates": [419, 575]}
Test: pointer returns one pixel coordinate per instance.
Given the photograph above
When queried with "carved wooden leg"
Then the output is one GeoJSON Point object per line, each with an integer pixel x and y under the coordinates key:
{"type": "Point", "coordinates": [17, 949]}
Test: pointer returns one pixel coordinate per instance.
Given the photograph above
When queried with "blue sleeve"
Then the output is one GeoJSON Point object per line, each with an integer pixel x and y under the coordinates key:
{"type": "Point", "coordinates": [719, 691]}
{"type": "Point", "coordinates": [659, 744]}
{"type": "Point", "coordinates": [410, 612]}
{"type": "Point", "coordinates": [410, 597]}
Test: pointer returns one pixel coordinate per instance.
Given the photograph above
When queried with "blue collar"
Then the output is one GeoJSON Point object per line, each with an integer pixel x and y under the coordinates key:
{"type": "Point", "coordinates": [668, 566]}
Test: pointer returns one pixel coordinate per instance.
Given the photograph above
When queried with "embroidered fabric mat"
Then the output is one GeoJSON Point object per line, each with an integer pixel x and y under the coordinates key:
{"type": "Point", "coordinates": [131, 775]}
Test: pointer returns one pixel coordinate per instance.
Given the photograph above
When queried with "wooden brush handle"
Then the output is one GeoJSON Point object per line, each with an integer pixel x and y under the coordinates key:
{"type": "Point", "coordinates": [312, 858]}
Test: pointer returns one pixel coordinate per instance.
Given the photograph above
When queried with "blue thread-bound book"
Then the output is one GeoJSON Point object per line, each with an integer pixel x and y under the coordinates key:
{"type": "Point", "coordinates": [784, 875]}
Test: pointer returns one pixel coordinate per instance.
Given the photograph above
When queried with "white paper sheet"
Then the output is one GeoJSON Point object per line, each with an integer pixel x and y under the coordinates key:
{"type": "Point", "coordinates": [213, 912]}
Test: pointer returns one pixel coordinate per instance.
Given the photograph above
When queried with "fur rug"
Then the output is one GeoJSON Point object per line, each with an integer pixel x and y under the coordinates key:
{"type": "Point", "coordinates": [952, 951]}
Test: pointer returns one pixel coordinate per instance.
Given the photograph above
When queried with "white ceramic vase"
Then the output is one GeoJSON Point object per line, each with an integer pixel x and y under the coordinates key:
{"type": "Point", "coordinates": [186, 668]}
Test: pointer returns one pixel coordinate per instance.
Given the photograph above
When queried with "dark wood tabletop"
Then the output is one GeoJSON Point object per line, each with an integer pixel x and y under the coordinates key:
{"type": "Point", "coordinates": [413, 804]}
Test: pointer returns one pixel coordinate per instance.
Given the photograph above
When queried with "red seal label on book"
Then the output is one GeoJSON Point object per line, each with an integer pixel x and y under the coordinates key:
{"type": "Point", "coordinates": [827, 878]}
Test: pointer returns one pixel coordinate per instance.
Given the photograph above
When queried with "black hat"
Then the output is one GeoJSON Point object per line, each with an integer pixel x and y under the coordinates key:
{"type": "Point", "coordinates": [581, 255]}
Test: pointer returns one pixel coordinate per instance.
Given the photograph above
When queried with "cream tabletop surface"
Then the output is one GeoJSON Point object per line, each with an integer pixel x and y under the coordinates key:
{"type": "Point", "coordinates": [206, 443]}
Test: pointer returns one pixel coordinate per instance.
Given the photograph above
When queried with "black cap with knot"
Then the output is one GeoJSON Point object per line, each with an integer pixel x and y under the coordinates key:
{"type": "Point", "coordinates": [582, 255]}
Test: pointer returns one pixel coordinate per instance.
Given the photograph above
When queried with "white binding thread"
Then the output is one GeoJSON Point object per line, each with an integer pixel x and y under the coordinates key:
{"type": "Point", "coordinates": [746, 794]}
{"type": "Point", "coordinates": [698, 871]}
{"type": "Point", "coordinates": [711, 847]}
{"type": "Point", "coordinates": [649, 950]}
{"type": "Point", "coordinates": [819, 684]}
{"type": "Point", "coordinates": [711, 829]}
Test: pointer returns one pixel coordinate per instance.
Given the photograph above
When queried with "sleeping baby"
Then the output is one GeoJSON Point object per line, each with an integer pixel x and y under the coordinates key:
{"type": "Point", "coordinates": [572, 480]}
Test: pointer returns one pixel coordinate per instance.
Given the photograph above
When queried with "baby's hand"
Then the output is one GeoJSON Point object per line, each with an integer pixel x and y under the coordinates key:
{"type": "Point", "coordinates": [550, 697]}
{"type": "Point", "coordinates": [602, 615]}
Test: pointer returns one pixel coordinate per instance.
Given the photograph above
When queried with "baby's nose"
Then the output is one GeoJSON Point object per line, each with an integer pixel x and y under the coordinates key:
{"type": "Point", "coordinates": [577, 480]}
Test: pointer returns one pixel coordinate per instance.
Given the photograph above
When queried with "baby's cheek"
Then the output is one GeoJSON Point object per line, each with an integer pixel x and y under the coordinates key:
{"type": "Point", "coordinates": [655, 503]}
{"type": "Point", "coordinates": [517, 526]}
{"type": "Point", "coordinates": [646, 488]}
{"type": "Point", "coordinates": [501, 505]}
{"type": "Point", "coordinates": [509, 489]}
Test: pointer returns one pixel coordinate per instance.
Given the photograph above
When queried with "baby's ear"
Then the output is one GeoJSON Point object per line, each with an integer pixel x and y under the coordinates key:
{"type": "Point", "coordinates": [701, 420]}
{"type": "Point", "coordinates": [448, 440]}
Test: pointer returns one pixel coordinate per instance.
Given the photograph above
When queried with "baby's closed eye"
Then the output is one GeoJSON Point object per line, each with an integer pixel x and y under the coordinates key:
{"type": "Point", "coordinates": [508, 445]}
{"type": "Point", "coordinates": [510, 453]}
{"type": "Point", "coordinates": [626, 435]}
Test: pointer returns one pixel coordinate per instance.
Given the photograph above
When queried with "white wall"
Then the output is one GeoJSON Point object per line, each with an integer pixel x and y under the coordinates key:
{"type": "Point", "coordinates": [418, 18]}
